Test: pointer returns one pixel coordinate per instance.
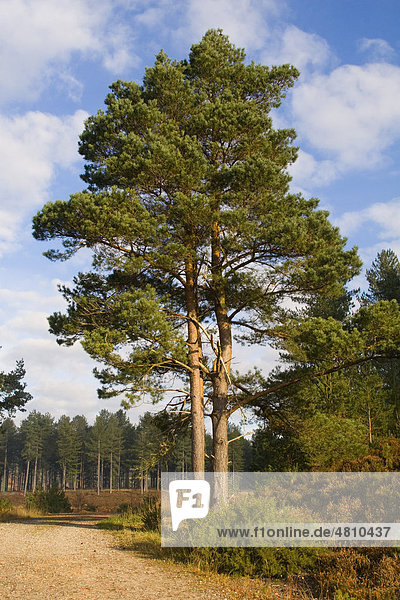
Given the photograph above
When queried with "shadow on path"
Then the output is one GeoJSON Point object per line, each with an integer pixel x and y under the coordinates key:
{"type": "Point", "coordinates": [68, 520]}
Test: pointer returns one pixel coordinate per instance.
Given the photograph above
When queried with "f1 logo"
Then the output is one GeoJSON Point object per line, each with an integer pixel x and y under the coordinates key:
{"type": "Point", "coordinates": [189, 499]}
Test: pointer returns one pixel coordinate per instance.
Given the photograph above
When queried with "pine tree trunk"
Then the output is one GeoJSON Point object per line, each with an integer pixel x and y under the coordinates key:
{"type": "Point", "coordinates": [34, 475]}
{"type": "Point", "coordinates": [196, 379]}
{"type": "Point", "coordinates": [111, 472]}
{"type": "Point", "coordinates": [220, 439]}
{"type": "Point", "coordinates": [81, 485]}
{"type": "Point", "coordinates": [26, 477]}
{"type": "Point", "coordinates": [4, 482]}
{"type": "Point", "coordinates": [98, 467]}
{"type": "Point", "coordinates": [369, 425]}
{"type": "Point", "coordinates": [222, 366]}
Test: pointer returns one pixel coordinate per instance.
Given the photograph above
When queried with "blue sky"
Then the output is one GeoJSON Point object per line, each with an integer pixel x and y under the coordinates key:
{"type": "Point", "coordinates": [57, 60]}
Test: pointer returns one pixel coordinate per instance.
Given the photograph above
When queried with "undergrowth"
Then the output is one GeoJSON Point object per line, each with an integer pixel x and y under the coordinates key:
{"type": "Point", "coordinates": [52, 500]}
{"type": "Point", "coordinates": [18, 513]}
{"type": "Point", "coordinates": [328, 574]}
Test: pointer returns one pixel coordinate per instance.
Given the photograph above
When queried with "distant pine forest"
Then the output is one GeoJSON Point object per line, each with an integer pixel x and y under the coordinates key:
{"type": "Point", "coordinates": [111, 454]}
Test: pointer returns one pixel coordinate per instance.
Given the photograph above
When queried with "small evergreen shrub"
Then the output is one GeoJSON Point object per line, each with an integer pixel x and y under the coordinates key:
{"type": "Point", "coordinates": [150, 512]}
{"type": "Point", "coordinates": [53, 500]}
{"type": "Point", "coordinates": [5, 505]}
{"type": "Point", "coordinates": [256, 562]}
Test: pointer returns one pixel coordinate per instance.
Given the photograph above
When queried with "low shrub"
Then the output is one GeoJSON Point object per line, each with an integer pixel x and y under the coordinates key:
{"type": "Point", "coordinates": [5, 505]}
{"type": "Point", "coordinates": [360, 574]}
{"type": "Point", "coordinates": [53, 500]}
{"type": "Point", "coordinates": [150, 513]}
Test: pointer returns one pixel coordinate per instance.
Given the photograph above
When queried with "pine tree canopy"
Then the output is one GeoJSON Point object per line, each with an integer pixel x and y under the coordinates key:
{"type": "Point", "coordinates": [13, 396]}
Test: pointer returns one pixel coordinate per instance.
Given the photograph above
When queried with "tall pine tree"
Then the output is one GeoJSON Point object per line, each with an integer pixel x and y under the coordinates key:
{"type": "Point", "coordinates": [195, 234]}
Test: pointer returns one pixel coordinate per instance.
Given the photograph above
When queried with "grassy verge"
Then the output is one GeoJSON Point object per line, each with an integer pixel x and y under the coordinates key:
{"type": "Point", "coordinates": [19, 513]}
{"type": "Point", "coordinates": [126, 521]}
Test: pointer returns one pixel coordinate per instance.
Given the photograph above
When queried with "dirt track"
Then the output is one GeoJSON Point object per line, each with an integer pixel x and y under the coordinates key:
{"type": "Point", "coordinates": [46, 560]}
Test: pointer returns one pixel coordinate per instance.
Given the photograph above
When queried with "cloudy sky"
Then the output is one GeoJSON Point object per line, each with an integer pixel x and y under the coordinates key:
{"type": "Point", "coordinates": [57, 60]}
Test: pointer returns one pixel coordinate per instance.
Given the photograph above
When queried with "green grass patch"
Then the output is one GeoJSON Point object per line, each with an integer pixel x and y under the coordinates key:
{"type": "Point", "coordinates": [128, 520]}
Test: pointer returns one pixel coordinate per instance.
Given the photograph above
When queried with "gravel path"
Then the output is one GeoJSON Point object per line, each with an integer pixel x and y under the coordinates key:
{"type": "Point", "coordinates": [47, 560]}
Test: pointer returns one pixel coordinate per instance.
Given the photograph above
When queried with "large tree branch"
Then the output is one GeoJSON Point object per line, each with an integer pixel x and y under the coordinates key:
{"type": "Point", "coordinates": [285, 384]}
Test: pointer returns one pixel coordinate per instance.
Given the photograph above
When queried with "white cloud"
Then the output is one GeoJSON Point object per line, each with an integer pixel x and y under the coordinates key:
{"type": "Point", "coordinates": [54, 374]}
{"type": "Point", "coordinates": [152, 17]}
{"type": "Point", "coordinates": [243, 21]}
{"type": "Point", "coordinates": [40, 37]}
{"type": "Point", "coordinates": [299, 48]}
{"type": "Point", "coordinates": [73, 86]}
{"type": "Point", "coordinates": [385, 215]}
{"type": "Point", "coordinates": [32, 147]}
{"type": "Point", "coordinates": [307, 172]}
{"type": "Point", "coordinates": [59, 378]}
{"type": "Point", "coordinates": [352, 114]}
{"type": "Point", "coordinates": [377, 49]}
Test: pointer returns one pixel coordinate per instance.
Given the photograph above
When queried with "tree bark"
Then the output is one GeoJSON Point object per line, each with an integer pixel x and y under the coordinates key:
{"type": "Point", "coordinates": [220, 377]}
{"type": "Point", "coordinates": [81, 485]}
{"type": "Point", "coordinates": [111, 472]}
{"type": "Point", "coordinates": [118, 471]}
{"type": "Point", "coordinates": [34, 475]}
{"type": "Point", "coordinates": [222, 364]}
{"type": "Point", "coordinates": [219, 419]}
{"type": "Point", "coordinates": [26, 477]}
{"type": "Point", "coordinates": [98, 467]}
{"type": "Point", "coordinates": [4, 482]}
{"type": "Point", "coordinates": [196, 379]}
{"type": "Point", "coordinates": [64, 476]}
{"type": "Point", "coordinates": [369, 425]}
